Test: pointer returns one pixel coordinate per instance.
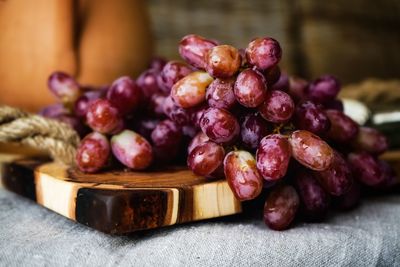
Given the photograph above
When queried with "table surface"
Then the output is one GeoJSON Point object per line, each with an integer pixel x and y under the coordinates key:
{"type": "Point", "coordinates": [31, 235]}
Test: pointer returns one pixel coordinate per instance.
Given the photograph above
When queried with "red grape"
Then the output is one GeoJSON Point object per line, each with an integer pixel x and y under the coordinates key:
{"type": "Point", "coordinates": [148, 82]}
{"type": "Point", "coordinates": [93, 153]}
{"type": "Point", "coordinates": [366, 168]}
{"type": "Point", "coordinates": [102, 116]}
{"type": "Point", "coordinates": [132, 150]}
{"type": "Point", "coordinates": [310, 150]}
{"type": "Point", "coordinates": [220, 94]}
{"type": "Point", "coordinates": [343, 128]}
{"type": "Point", "coordinates": [166, 138]}
{"type": "Point", "coordinates": [82, 103]}
{"type": "Point", "coordinates": [281, 207]}
{"type": "Point", "coordinates": [250, 89]}
{"type": "Point", "coordinates": [198, 139]}
{"type": "Point", "coordinates": [323, 89]}
{"type": "Point", "coordinates": [311, 117]}
{"type": "Point", "coordinates": [156, 105]}
{"type": "Point", "coordinates": [242, 175]}
{"type": "Point", "coordinates": [272, 75]}
{"type": "Point", "coordinates": [205, 158]}
{"type": "Point", "coordinates": [124, 95]}
{"type": "Point", "coordinates": [337, 179]}
{"type": "Point", "coordinates": [282, 84]}
{"type": "Point", "coordinates": [219, 125]}
{"type": "Point", "coordinates": [297, 88]}
{"type": "Point", "coordinates": [253, 129]}
{"type": "Point", "coordinates": [190, 91]}
{"type": "Point", "coordinates": [273, 156]}
{"type": "Point", "coordinates": [64, 87]}
{"type": "Point", "coordinates": [172, 72]}
{"type": "Point", "coordinates": [222, 61]}
{"type": "Point", "coordinates": [193, 49]}
{"type": "Point", "coordinates": [371, 141]}
{"type": "Point", "coordinates": [175, 113]}
{"type": "Point", "coordinates": [278, 107]}
{"type": "Point", "coordinates": [264, 53]}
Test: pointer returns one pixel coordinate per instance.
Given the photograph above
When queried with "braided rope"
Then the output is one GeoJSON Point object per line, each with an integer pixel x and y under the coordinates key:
{"type": "Point", "coordinates": [55, 137]}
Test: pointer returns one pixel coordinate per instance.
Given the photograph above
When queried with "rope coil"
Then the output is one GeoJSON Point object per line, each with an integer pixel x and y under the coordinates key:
{"type": "Point", "coordinates": [57, 138]}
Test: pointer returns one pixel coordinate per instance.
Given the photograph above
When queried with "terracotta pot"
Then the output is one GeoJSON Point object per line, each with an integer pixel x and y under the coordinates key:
{"type": "Point", "coordinates": [95, 40]}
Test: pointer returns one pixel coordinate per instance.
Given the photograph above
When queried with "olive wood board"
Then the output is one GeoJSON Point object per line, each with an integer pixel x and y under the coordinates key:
{"type": "Point", "coordinates": [118, 202]}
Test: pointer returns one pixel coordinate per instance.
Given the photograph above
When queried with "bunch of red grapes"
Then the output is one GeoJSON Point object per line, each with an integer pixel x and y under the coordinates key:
{"type": "Point", "coordinates": [230, 113]}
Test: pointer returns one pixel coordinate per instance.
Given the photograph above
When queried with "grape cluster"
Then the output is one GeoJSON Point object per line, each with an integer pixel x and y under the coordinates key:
{"type": "Point", "coordinates": [230, 113]}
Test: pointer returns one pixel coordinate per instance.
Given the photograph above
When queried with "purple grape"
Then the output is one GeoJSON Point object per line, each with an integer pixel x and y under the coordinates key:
{"type": "Point", "coordinates": [53, 111]}
{"type": "Point", "coordinates": [157, 64]}
{"type": "Point", "coordinates": [311, 117]}
{"type": "Point", "coordinates": [250, 89]}
{"type": "Point", "coordinates": [193, 49]}
{"type": "Point", "coordinates": [93, 153]}
{"type": "Point", "coordinates": [64, 87]}
{"type": "Point", "coordinates": [205, 158]}
{"type": "Point", "coordinates": [253, 129]}
{"type": "Point", "coordinates": [297, 88]}
{"type": "Point", "coordinates": [263, 53]}
{"type": "Point", "coordinates": [282, 84]}
{"type": "Point", "coordinates": [175, 113]}
{"type": "Point", "coordinates": [166, 138]}
{"type": "Point", "coordinates": [350, 199]}
{"type": "Point", "coordinates": [343, 129]}
{"type": "Point", "coordinates": [125, 95]}
{"type": "Point", "coordinates": [172, 72]}
{"type": "Point", "coordinates": [323, 89]}
{"type": "Point", "coordinates": [102, 116]}
{"type": "Point", "coordinates": [272, 75]}
{"type": "Point", "coordinates": [220, 94]}
{"type": "Point", "coordinates": [198, 139]}
{"type": "Point", "coordinates": [278, 107]}
{"type": "Point", "coordinates": [371, 141]}
{"type": "Point", "coordinates": [145, 127]}
{"type": "Point", "coordinates": [148, 82]}
{"type": "Point", "coordinates": [156, 105]}
{"type": "Point", "coordinates": [82, 103]}
{"type": "Point", "coordinates": [366, 168]}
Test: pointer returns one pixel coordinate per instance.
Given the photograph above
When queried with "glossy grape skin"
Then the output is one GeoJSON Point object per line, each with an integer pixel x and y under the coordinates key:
{"type": "Point", "coordinates": [102, 116]}
{"type": "Point", "coordinates": [282, 84]}
{"type": "Point", "coordinates": [172, 72]}
{"type": "Point", "coordinates": [263, 53]}
{"type": "Point", "coordinates": [281, 207]}
{"type": "Point", "coordinates": [278, 107]}
{"type": "Point", "coordinates": [273, 156]}
{"type": "Point", "coordinates": [205, 158]}
{"type": "Point", "coordinates": [148, 82]}
{"type": "Point", "coordinates": [166, 138]}
{"type": "Point", "coordinates": [297, 88]}
{"type": "Point", "coordinates": [64, 87]}
{"type": "Point", "coordinates": [337, 179]}
{"type": "Point", "coordinates": [222, 61]}
{"type": "Point", "coordinates": [157, 64]}
{"type": "Point", "coordinates": [219, 125]}
{"type": "Point", "coordinates": [323, 89]}
{"type": "Point", "coordinates": [272, 75]}
{"type": "Point", "coordinates": [190, 91]}
{"type": "Point", "coordinates": [198, 139]}
{"type": "Point", "coordinates": [370, 140]}
{"type": "Point", "coordinates": [53, 111]}
{"type": "Point", "coordinates": [314, 200]}
{"type": "Point", "coordinates": [311, 117]}
{"type": "Point", "coordinates": [366, 168]}
{"type": "Point", "coordinates": [82, 103]}
{"type": "Point", "coordinates": [242, 175]}
{"type": "Point", "coordinates": [193, 49]}
{"type": "Point", "coordinates": [252, 129]}
{"type": "Point", "coordinates": [343, 129]}
{"type": "Point", "coordinates": [132, 150]}
{"type": "Point", "coordinates": [250, 89]}
{"type": "Point", "coordinates": [176, 113]}
{"type": "Point", "coordinates": [310, 150]}
{"type": "Point", "coordinates": [125, 95]}
{"type": "Point", "coordinates": [220, 94]}
{"type": "Point", "coordinates": [93, 153]}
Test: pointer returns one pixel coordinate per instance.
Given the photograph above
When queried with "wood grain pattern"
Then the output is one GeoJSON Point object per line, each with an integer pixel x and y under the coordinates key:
{"type": "Point", "coordinates": [120, 202]}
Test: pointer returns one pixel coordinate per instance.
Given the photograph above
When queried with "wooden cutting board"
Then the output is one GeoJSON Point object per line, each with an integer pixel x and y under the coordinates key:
{"type": "Point", "coordinates": [118, 202]}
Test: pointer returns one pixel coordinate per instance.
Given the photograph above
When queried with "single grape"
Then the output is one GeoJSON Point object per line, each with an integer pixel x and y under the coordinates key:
{"type": "Point", "coordinates": [311, 117]}
{"type": "Point", "coordinates": [250, 89]}
{"type": "Point", "coordinates": [205, 158]}
{"type": "Point", "coordinates": [93, 153]}
{"type": "Point", "coordinates": [102, 116]}
{"type": "Point", "coordinates": [273, 156]}
{"type": "Point", "coordinates": [220, 94]}
{"type": "Point", "coordinates": [166, 138]}
{"type": "Point", "coordinates": [125, 95]}
{"type": "Point", "coordinates": [132, 150]}
{"type": "Point", "coordinates": [315, 201]}
{"type": "Point", "coordinates": [334, 104]}
{"type": "Point", "coordinates": [190, 91]}
{"type": "Point", "coordinates": [53, 111]}
{"type": "Point", "coordinates": [64, 87]}
{"type": "Point", "coordinates": [193, 49]}
{"type": "Point", "coordinates": [366, 168]}
{"type": "Point", "coordinates": [253, 128]}
{"type": "Point", "coordinates": [390, 176]}
{"type": "Point", "coordinates": [172, 72]}
{"type": "Point", "coordinates": [343, 129]}
{"type": "Point", "coordinates": [219, 125]}
{"type": "Point", "coordinates": [281, 207]}
{"type": "Point", "coordinates": [242, 175]}
{"type": "Point", "coordinates": [323, 89]}
{"type": "Point", "coordinates": [263, 53]}
{"type": "Point", "coordinates": [350, 199]}
{"type": "Point", "coordinates": [175, 113]}
{"type": "Point", "coordinates": [370, 140]}
{"type": "Point", "coordinates": [337, 179]}
{"type": "Point", "coordinates": [148, 83]}
{"type": "Point", "coordinates": [278, 107]}
{"type": "Point", "coordinates": [157, 64]}
{"type": "Point", "coordinates": [297, 88]}
{"type": "Point", "coordinates": [282, 84]}
{"type": "Point", "coordinates": [198, 139]}
{"type": "Point", "coordinates": [310, 150]}
{"type": "Point", "coordinates": [222, 61]}
{"type": "Point", "coordinates": [272, 75]}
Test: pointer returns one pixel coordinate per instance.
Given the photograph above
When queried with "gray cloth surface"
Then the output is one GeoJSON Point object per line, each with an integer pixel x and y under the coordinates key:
{"type": "Point", "coordinates": [368, 236]}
